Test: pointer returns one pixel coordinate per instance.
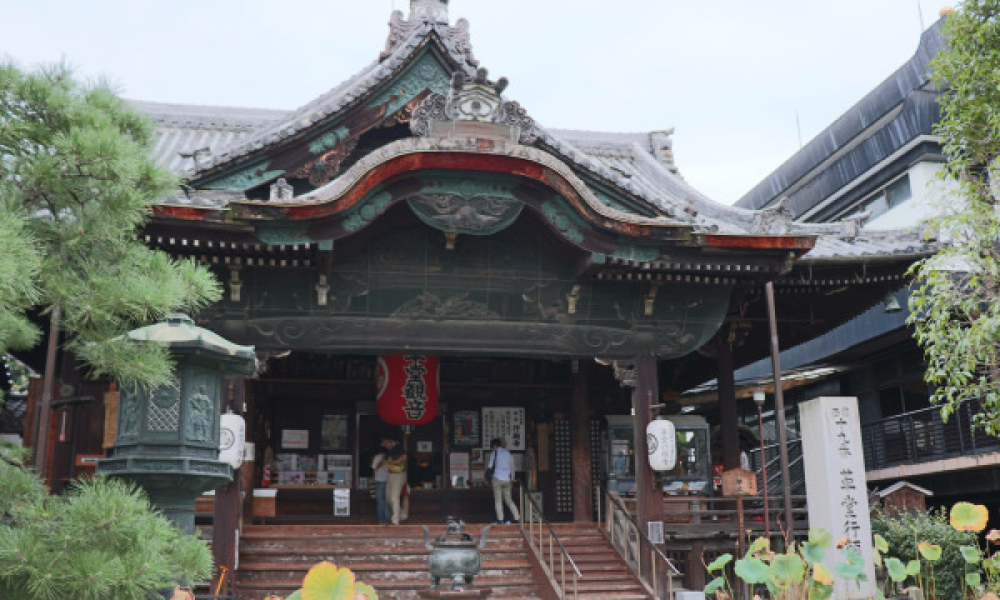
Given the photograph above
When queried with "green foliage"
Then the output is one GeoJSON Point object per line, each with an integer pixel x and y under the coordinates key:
{"type": "Point", "coordinates": [795, 574]}
{"type": "Point", "coordinates": [76, 183]}
{"type": "Point", "coordinates": [909, 535]}
{"type": "Point", "coordinates": [955, 309]}
{"type": "Point", "coordinates": [100, 540]}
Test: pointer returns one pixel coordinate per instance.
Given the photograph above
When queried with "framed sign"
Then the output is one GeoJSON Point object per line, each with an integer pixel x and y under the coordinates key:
{"type": "Point", "coordinates": [295, 439]}
{"type": "Point", "coordinates": [466, 428]}
{"type": "Point", "coordinates": [333, 433]}
{"type": "Point", "coordinates": [458, 465]}
{"type": "Point", "coordinates": [507, 423]}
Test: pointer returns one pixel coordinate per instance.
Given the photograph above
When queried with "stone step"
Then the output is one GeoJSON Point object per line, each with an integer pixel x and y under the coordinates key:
{"type": "Point", "coordinates": [524, 586]}
{"type": "Point", "coordinates": [394, 531]}
{"type": "Point", "coordinates": [276, 558]}
{"type": "Point", "coordinates": [385, 575]}
{"type": "Point", "coordinates": [607, 596]}
{"type": "Point", "coordinates": [306, 550]}
{"type": "Point", "coordinates": [362, 567]}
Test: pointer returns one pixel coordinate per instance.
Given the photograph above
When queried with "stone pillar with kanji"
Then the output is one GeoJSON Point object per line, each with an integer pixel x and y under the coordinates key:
{"type": "Point", "coordinates": [835, 485]}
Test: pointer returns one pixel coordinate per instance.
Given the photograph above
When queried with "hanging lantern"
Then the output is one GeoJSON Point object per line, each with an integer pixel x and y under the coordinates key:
{"type": "Point", "coordinates": [232, 439]}
{"type": "Point", "coordinates": [408, 389]}
{"type": "Point", "coordinates": [661, 437]}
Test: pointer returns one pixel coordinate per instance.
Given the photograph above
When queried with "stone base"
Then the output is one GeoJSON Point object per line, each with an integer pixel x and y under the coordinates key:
{"type": "Point", "coordinates": [447, 594]}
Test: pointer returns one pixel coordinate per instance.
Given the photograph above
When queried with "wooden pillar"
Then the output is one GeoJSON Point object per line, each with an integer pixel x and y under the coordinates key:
{"type": "Point", "coordinates": [228, 514]}
{"type": "Point", "coordinates": [583, 485]}
{"type": "Point", "coordinates": [727, 406]}
{"type": "Point", "coordinates": [650, 499]}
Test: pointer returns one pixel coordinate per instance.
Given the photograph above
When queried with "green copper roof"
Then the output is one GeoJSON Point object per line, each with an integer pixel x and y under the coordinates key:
{"type": "Point", "coordinates": [179, 329]}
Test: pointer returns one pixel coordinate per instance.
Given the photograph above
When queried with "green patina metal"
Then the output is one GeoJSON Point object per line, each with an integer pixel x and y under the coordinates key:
{"type": "Point", "coordinates": [504, 294]}
{"type": "Point", "coordinates": [372, 206]}
{"type": "Point", "coordinates": [328, 140]}
{"type": "Point", "coordinates": [565, 221]}
{"type": "Point", "coordinates": [466, 204]}
{"type": "Point", "coordinates": [248, 177]}
{"type": "Point", "coordinates": [639, 253]}
{"type": "Point", "coordinates": [282, 232]}
{"type": "Point", "coordinates": [610, 202]}
{"type": "Point", "coordinates": [168, 437]}
{"type": "Point", "coordinates": [468, 185]}
{"type": "Point", "coordinates": [426, 73]}
{"type": "Point", "coordinates": [614, 198]}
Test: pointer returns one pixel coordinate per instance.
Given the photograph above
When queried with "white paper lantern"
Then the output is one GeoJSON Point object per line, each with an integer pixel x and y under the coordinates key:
{"type": "Point", "coordinates": [661, 438]}
{"type": "Point", "coordinates": [232, 438]}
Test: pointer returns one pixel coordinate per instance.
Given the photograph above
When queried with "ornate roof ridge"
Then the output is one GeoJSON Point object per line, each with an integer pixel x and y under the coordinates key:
{"type": "Point", "coordinates": [405, 146]}
{"type": "Point", "coordinates": [398, 53]}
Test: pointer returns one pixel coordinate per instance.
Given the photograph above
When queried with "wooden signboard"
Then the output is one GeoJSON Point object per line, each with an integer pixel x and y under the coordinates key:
{"type": "Point", "coordinates": [739, 482]}
{"type": "Point", "coordinates": [110, 419]}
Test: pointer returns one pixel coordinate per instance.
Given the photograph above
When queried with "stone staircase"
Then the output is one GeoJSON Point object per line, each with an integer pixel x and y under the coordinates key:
{"type": "Point", "coordinates": [275, 558]}
{"type": "Point", "coordinates": [605, 574]}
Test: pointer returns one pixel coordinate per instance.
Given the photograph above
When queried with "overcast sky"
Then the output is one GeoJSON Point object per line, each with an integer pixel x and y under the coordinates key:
{"type": "Point", "coordinates": [733, 77]}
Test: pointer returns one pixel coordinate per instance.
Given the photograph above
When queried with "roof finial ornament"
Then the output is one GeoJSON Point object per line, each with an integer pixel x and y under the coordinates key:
{"type": "Point", "coordinates": [476, 99]}
{"type": "Point", "coordinates": [435, 11]}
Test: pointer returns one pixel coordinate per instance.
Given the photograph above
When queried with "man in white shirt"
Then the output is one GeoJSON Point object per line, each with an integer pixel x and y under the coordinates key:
{"type": "Point", "coordinates": [503, 475]}
{"type": "Point", "coordinates": [380, 467]}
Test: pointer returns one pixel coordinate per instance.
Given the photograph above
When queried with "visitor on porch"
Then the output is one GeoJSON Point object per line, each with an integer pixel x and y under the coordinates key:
{"type": "Point", "coordinates": [503, 475]}
{"type": "Point", "coordinates": [396, 465]}
{"type": "Point", "coordinates": [380, 467]}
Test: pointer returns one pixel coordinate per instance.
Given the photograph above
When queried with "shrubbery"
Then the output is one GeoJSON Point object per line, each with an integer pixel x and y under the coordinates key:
{"type": "Point", "coordinates": [101, 540]}
{"type": "Point", "coordinates": [904, 531]}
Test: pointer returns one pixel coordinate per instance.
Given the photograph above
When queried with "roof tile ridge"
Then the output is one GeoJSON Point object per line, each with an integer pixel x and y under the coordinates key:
{"type": "Point", "coordinates": [333, 100]}
{"type": "Point", "coordinates": [706, 211]}
{"type": "Point", "coordinates": [180, 105]}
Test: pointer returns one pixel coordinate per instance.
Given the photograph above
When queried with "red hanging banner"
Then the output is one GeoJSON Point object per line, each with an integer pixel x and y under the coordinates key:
{"type": "Point", "coordinates": [408, 389]}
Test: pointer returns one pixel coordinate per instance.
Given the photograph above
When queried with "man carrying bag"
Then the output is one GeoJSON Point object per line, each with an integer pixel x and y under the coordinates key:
{"type": "Point", "coordinates": [500, 474]}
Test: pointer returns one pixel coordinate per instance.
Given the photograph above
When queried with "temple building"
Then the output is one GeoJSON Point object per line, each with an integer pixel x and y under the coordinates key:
{"type": "Point", "coordinates": [559, 288]}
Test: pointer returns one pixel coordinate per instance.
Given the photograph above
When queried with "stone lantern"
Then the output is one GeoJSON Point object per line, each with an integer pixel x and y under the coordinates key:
{"type": "Point", "coordinates": [168, 437]}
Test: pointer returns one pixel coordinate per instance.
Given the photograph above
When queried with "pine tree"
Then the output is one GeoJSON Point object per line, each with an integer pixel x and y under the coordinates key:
{"type": "Point", "coordinates": [99, 541]}
{"type": "Point", "coordinates": [76, 184]}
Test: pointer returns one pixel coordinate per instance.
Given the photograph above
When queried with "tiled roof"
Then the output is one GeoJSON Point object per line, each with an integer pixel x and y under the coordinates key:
{"type": "Point", "coordinates": [640, 164]}
{"type": "Point", "coordinates": [183, 129]}
{"type": "Point", "coordinates": [870, 245]}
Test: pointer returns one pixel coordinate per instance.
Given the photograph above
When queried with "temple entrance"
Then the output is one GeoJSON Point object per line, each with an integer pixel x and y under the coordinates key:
{"type": "Point", "coordinates": [316, 428]}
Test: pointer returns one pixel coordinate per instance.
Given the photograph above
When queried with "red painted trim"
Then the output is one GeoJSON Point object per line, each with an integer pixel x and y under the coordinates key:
{"type": "Point", "coordinates": [761, 241]}
{"type": "Point", "coordinates": [185, 213]}
{"type": "Point", "coordinates": [484, 163]}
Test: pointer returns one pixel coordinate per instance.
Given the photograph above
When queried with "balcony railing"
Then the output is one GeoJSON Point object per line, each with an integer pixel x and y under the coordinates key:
{"type": "Point", "coordinates": [923, 436]}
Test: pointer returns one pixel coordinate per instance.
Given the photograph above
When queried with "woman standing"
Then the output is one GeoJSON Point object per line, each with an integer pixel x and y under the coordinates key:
{"type": "Point", "coordinates": [397, 480]}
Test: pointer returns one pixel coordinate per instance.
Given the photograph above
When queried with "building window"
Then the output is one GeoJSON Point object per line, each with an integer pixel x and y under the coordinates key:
{"type": "Point", "coordinates": [885, 199]}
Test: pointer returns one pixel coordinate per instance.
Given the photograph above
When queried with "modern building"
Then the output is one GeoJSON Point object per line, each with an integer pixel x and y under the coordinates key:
{"type": "Point", "coordinates": [879, 162]}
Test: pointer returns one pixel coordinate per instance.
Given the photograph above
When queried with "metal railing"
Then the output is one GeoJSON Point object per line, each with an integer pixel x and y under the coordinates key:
{"type": "Point", "coordinates": [629, 540]}
{"type": "Point", "coordinates": [547, 547]}
{"type": "Point", "coordinates": [796, 468]}
{"type": "Point", "coordinates": [923, 436]}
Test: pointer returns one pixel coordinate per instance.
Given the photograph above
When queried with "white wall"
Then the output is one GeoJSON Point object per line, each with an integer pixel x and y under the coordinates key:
{"type": "Point", "coordinates": [929, 194]}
